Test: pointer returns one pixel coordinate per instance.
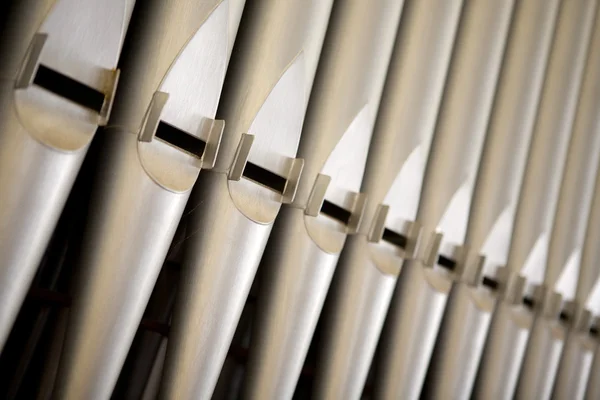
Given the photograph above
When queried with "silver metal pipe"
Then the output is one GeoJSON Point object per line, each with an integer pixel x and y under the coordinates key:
{"type": "Point", "coordinates": [592, 390]}
{"type": "Point", "coordinates": [576, 361]}
{"type": "Point", "coordinates": [568, 237]}
{"type": "Point", "coordinates": [367, 271]}
{"type": "Point", "coordinates": [264, 103]}
{"type": "Point", "coordinates": [469, 310]}
{"type": "Point", "coordinates": [538, 228]}
{"type": "Point", "coordinates": [56, 87]}
{"type": "Point", "coordinates": [309, 235]}
{"type": "Point", "coordinates": [161, 134]}
{"type": "Point", "coordinates": [423, 285]}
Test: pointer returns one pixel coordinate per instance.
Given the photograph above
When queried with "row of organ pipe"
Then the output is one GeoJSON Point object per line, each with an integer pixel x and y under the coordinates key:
{"type": "Point", "coordinates": [324, 199]}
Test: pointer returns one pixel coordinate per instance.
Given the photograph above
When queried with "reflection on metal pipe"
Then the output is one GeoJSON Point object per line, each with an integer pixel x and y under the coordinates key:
{"type": "Point", "coordinates": [160, 136]}
{"type": "Point", "coordinates": [366, 274]}
{"type": "Point", "coordinates": [56, 88]}
{"type": "Point", "coordinates": [469, 310]}
{"type": "Point", "coordinates": [309, 235]}
{"type": "Point", "coordinates": [423, 285]}
{"type": "Point", "coordinates": [264, 102]}
{"type": "Point", "coordinates": [572, 218]}
{"type": "Point", "coordinates": [539, 256]}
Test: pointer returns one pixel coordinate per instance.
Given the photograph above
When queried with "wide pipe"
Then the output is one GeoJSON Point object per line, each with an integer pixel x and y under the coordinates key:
{"type": "Point", "coordinates": [46, 126]}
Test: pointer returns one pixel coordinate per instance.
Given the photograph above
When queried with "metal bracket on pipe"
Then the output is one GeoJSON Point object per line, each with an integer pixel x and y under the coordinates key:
{"type": "Point", "coordinates": [317, 195]}
{"type": "Point", "coordinates": [241, 167]}
{"type": "Point", "coordinates": [406, 243]}
{"type": "Point", "coordinates": [32, 72]}
{"type": "Point", "coordinates": [155, 128]}
{"type": "Point", "coordinates": [583, 320]}
{"type": "Point", "coordinates": [358, 211]}
{"type": "Point", "coordinates": [471, 270]}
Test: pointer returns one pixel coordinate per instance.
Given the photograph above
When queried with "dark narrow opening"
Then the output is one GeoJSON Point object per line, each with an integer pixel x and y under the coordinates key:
{"type": "Point", "coordinates": [264, 177]}
{"type": "Point", "coordinates": [180, 139]}
{"type": "Point", "coordinates": [394, 238]}
{"type": "Point", "coordinates": [594, 331]}
{"type": "Point", "coordinates": [564, 316]}
{"type": "Point", "coordinates": [68, 88]}
{"type": "Point", "coordinates": [446, 262]}
{"type": "Point", "coordinates": [490, 282]}
{"type": "Point", "coordinates": [336, 212]}
{"type": "Point", "coordinates": [528, 301]}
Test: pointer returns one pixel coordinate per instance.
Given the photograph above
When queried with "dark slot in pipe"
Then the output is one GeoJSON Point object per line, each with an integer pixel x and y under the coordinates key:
{"type": "Point", "coordinates": [264, 177]}
{"type": "Point", "coordinates": [336, 212]}
{"type": "Point", "coordinates": [180, 139]}
{"type": "Point", "coordinates": [68, 88]}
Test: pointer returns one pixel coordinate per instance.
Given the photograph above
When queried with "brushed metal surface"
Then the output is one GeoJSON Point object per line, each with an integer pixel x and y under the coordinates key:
{"type": "Point", "coordinates": [541, 359]}
{"type": "Point", "coordinates": [503, 352]}
{"type": "Point", "coordinates": [447, 190]}
{"type": "Point", "coordinates": [334, 142]}
{"type": "Point", "coordinates": [180, 48]}
{"type": "Point", "coordinates": [44, 137]}
{"type": "Point", "coordinates": [454, 364]}
{"type": "Point", "coordinates": [457, 352]}
{"type": "Point", "coordinates": [575, 366]}
{"type": "Point", "coordinates": [592, 391]}
{"type": "Point", "coordinates": [545, 164]}
{"type": "Point", "coordinates": [265, 94]}
{"type": "Point", "coordinates": [286, 318]}
{"type": "Point", "coordinates": [366, 273]}
{"type": "Point", "coordinates": [410, 331]}
{"type": "Point", "coordinates": [577, 186]}
{"type": "Point", "coordinates": [502, 165]}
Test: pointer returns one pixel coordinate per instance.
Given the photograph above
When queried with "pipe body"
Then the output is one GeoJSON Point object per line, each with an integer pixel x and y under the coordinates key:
{"type": "Point", "coordinates": [234, 206]}
{"type": "Point", "coordinates": [532, 248]}
{"type": "Point", "coordinates": [45, 128]}
{"type": "Point", "coordinates": [301, 255]}
{"type": "Point", "coordinates": [469, 310]}
{"type": "Point", "coordinates": [423, 286]}
{"type": "Point", "coordinates": [173, 68]}
{"type": "Point", "coordinates": [366, 274]}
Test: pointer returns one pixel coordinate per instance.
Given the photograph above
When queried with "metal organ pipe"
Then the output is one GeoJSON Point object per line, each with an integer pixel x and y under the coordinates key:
{"type": "Point", "coordinates": [264, 102]}
{"type": "Point", "coordinates": [423, 284]}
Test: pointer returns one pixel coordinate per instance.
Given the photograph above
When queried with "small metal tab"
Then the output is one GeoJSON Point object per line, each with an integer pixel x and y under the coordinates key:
{"type": "Point", "coordinates": [552, 304]}
{"type": "Point", "coordinates": [429, 255]}
{"type": "Point", "coordinates": [110, 89]}
{"type": "Point", "coordinates": [152, 117]}
{"type": "Point", "coordinates": [293, 177]}
{"type": "Point", "coordinates": [212, 130]}
{"type": "Point", "coordinates": [472, 270]}
{"type": "Point", "coordinates": [358, 210]}
{"type": "Point", "coordinates": [413, 236]}
{"type": "Point", "coordinates": [514, 286]}
{"type": "Point", "coordinates": [241, 157]}
{"type": "Point", "coordinates": [583, 320]}
{"type": "Point", "coordinates": [31, 61]}
{"type": "Point", "coordinates": [317, 195]}
{"type": "Point", "coordinates": [378, 224]}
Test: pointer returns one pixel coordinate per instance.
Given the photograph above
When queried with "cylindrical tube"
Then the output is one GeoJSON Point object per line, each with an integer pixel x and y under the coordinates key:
{"type": "Point", "coordinates": [264, 102]}
{"type": "Point", "coordinates": [309, 235]}
{"type": "Point", "coordinates": [56, 88]}
{"type": "Point", "coordinates": [423, 285]}
{"type": "Point", "coordinates": [531, 252]}
{"type": "Point", "coordinates": [576, 361]}
{"type": "Point", "coordinates": [592, 391]}
{"type": "Point", "coordinates": [366, 273]}
{"type": "Point", "coordinates": [469, 310]}
{"type": "Point", "coordinates": [161, 133]}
